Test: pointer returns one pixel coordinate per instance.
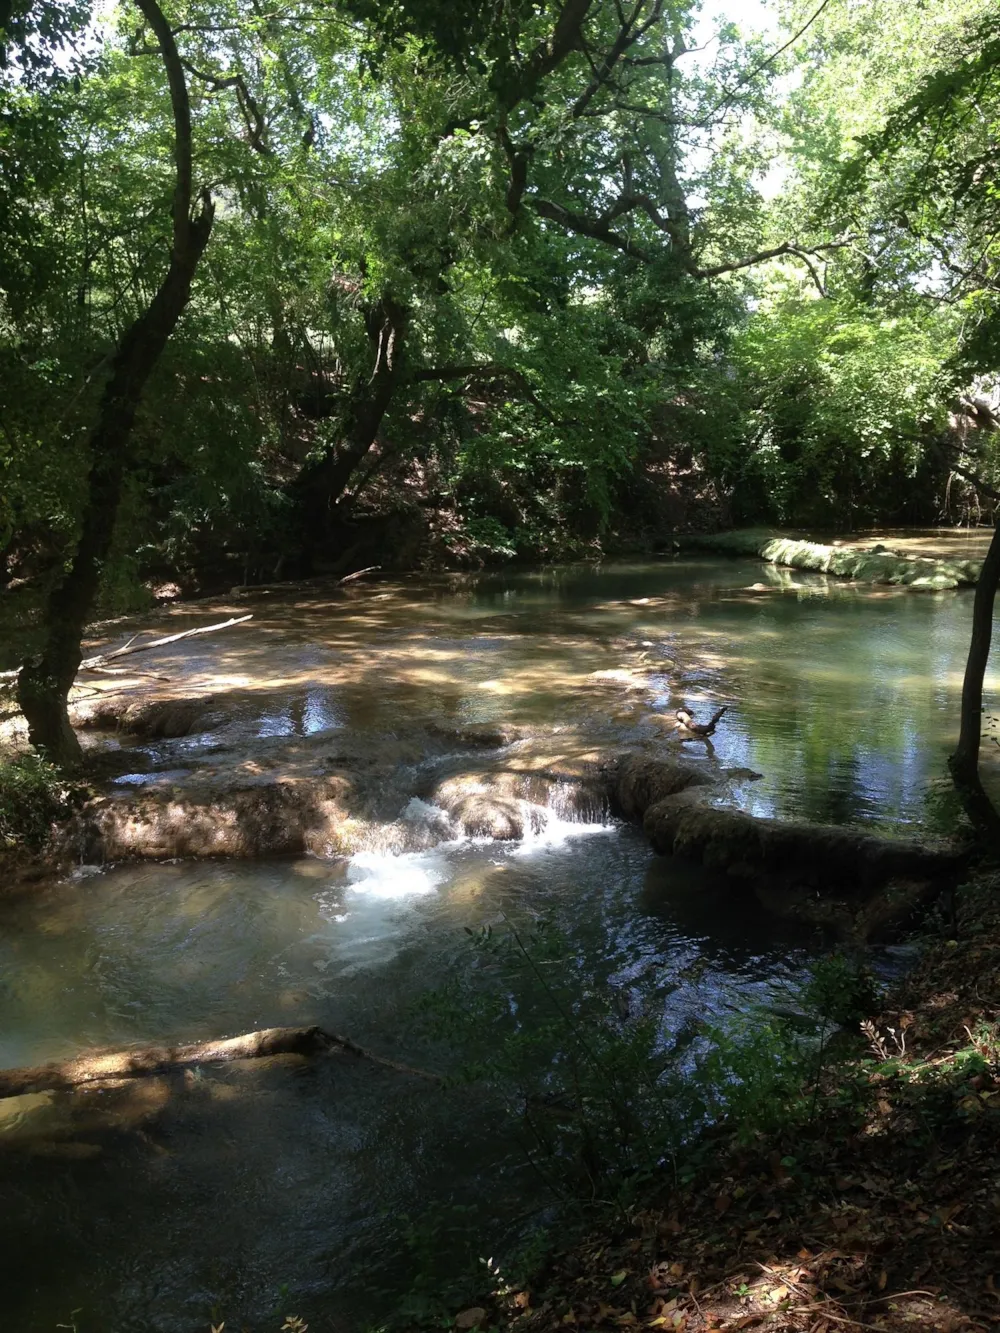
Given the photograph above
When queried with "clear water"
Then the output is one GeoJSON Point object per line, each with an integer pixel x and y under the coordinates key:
{"type": "Point", "coordinates": [253, 1190]}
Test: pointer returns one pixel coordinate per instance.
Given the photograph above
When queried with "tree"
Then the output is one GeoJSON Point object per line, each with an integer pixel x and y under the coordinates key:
{"type": "Point", "coordinates": [463, 261]}
{"type": "Point", "coordinates": [45, 682]}
{"type": "Point", "coordinates": [919, 179]}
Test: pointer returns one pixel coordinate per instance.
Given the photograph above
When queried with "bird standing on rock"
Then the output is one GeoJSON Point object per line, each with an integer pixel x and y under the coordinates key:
{"type": "Point", "coordinates": [699, 730]}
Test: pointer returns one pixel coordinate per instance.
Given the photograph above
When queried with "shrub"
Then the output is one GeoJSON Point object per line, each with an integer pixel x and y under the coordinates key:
{"type": "Point", "coordinates": [34, 794]}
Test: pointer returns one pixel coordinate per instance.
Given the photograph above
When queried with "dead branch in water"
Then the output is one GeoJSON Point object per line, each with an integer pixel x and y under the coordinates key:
{"type": "Point", "coordinates": [139, 1062]}
{"type": "Point", "coordinates": [98, 662]}
{"type": "Point", "coordinates": [359, 573]}
{"type": "Point", "coordinates": [100, 659]}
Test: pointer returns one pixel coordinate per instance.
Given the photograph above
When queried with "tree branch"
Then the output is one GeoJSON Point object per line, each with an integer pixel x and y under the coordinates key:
{"type": "Point", "coordinates": [628, 35]}
{"type": "Point", "coordinates": [596, 228]}
{"type": "Point", "coordinates": [786, 248]}
{"type": "Point", "coordinates": [757, 69]}
{"type": "Point", "coordinates": [566, 36]}
{"type": "Point", "coordinates": [181, 108]}
{"type": "Point", "coordinates": [979, 484]}
{"type": "Point", "coordinates": [253, 117]}
{"type": "Point", "coordinates": [483, 371]}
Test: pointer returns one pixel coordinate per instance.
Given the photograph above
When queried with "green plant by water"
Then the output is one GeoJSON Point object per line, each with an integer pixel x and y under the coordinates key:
{"type": "Point", "coordinates": [34, 795]}
{"type": "Point", "coordinates": [609, 1099]}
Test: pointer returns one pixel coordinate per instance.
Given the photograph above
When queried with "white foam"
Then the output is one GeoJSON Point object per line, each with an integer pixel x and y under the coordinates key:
{"type": "Point", "coordinates": [417, 811]}
{"type": "Point", "coordinates": [544, 830]}
{"type": "Point", "coordinates": [403, 875]}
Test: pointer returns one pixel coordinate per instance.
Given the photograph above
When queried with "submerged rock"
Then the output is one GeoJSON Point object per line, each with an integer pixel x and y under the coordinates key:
{"type": "Point", "coordinates": [156, 719]}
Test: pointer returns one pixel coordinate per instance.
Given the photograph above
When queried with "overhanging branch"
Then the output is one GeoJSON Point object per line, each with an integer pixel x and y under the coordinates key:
{"type": "Point", "coordinates": [487, 370]}
{"type": "Point", "coordinates": [775, 252]}
{"type": "Point", "coordinates": [598, 229]}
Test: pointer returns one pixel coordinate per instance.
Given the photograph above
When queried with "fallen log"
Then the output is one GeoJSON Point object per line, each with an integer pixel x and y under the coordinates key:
{"type": "Point", "coordinates": [359, 573]}
{"type": "Point", "coordinates": [140, 1062]}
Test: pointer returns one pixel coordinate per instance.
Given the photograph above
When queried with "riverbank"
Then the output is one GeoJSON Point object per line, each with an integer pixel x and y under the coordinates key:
{"type": "Point", "coordinates": [422, 753]}
{"type": "Point", "coordinates": [861, 560]}
{"type": "Point", "coordinates": [874, 1203]}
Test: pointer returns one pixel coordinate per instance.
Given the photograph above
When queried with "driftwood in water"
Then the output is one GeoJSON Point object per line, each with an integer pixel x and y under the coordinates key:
{"type": "Point", "coordinates": [99, 661]}
{"type": "Point", "coordinates": [138, 1062]}
{"type": "Point", "coordinates": [359, 573]}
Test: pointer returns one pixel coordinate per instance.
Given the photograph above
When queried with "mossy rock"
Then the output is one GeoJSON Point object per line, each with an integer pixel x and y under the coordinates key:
{"type": "Point", "coordinates": [871, 566]}
{"type": "Point", "coordinates": [638, 781]}
{"type": "Point", "coordinates": [845, 860]}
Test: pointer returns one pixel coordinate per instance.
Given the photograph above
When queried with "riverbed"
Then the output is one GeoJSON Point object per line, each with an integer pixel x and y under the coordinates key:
{"type": "Point", "coordinates": [249, 1192]}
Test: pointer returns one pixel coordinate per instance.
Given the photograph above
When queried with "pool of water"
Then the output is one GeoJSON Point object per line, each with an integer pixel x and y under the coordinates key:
{"type": "Point", "coordinates": [261, 1188]}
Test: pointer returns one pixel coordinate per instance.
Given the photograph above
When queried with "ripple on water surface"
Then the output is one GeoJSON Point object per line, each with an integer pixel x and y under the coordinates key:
{"type": "Point", "coordinates": [245, 1178]}
{"type": "Point", "coordinates": [152, 1206]}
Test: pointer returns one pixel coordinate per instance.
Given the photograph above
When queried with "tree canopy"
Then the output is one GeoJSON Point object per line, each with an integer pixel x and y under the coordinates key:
{"type": "Point", "coordinates": [486, 281]}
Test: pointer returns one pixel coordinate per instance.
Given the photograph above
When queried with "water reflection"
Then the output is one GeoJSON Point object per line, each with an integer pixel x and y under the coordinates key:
{"type": "Point", "coordinates": [239, 1180]}
{"type": "Point", "coordinates": [844, 699]}
{"type": "Point", "coordinates": [214, 1189]}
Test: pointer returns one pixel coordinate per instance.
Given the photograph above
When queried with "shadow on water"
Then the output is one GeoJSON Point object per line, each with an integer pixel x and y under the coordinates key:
{"type": "Point", "coordinates": [844, 699]}
{"type": "Point", "coordinates": [217, 1189]}
{"type": "Point", "coordinates": [242, 1179]}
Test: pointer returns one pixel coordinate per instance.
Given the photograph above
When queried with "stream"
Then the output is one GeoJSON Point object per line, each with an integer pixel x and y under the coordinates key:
{"type": "Point", "coordinates": [250, 1191]}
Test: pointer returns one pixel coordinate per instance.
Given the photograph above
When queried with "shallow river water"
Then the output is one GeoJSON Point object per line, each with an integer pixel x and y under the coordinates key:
{"type": "Point", "coordinates": [250, 1191]}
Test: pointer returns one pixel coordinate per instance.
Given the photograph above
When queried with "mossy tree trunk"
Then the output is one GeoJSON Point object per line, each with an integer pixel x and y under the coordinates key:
{"type": "Point", "coordinates": [45, 681]}
{"type": "Point", "coordinates": [964, 763]}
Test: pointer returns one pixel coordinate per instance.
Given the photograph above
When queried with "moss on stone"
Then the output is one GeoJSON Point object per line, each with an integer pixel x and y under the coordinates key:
{"type": "Point", "coordinates": [921, 572]}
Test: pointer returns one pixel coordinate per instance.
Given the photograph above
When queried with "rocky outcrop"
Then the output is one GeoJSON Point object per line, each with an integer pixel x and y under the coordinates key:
{"type": "Point", "coordinates": [875, 565]}
{"type": "Point", "coordinates": [511, 805]}
{"type": "Point", "coordinates": [155, 719]}
{"type": "Point", "coordinates": [256, 819]}
{"type": "Point", "coordinates": [810, 856]}
{"type": "Point", "coordinates": [637, 781]}
{"type": "Point", "coordinates": [855, 882]}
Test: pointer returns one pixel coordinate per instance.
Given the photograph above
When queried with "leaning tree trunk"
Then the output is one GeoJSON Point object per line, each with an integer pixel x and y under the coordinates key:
{"type": "Point", "coordinates": [44, 682]}
{"type": "Point", "coordinates": [964, 763]}
{"type": "Point", "coordinates": [321, 485]}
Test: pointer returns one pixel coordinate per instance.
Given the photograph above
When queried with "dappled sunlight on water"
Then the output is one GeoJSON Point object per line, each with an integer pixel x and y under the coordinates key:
{"type": "Point", "coordinates": [297, 1172]}
{"type": "Point", "coordinates": [835, 693]}
{"type": "Point", "coordinates": [318, 1159]}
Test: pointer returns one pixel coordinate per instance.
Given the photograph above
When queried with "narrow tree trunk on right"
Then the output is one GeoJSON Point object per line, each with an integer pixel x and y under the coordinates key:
{"type": "Point", "coordinates": [964, 763]}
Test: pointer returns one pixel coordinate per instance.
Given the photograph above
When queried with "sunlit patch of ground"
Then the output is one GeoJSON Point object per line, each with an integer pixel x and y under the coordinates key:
{"type": "Point", "coordinates": [938, 543]}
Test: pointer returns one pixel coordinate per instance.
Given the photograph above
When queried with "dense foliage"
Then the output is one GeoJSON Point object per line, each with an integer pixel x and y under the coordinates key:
{"type": "Point", "coordinates": [555, 278]}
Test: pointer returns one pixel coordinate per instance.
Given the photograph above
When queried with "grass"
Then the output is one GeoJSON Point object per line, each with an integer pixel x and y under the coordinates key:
{"type": "Point", "coordinates": [34, 795]}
